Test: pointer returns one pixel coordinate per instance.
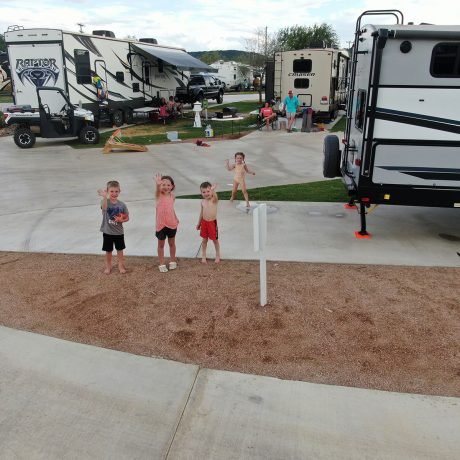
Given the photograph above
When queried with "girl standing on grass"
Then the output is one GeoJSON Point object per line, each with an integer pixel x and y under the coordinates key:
{"type": "Point", "coordinates": [166, 221]}
{"type": "Point", "coordinates": [241, 169]}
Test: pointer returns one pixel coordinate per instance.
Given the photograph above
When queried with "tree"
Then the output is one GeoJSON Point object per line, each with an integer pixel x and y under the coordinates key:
{"type": "Point", "coordinates": [300, 37]}
{"type": "Point", "coordinates": [208, 57]}
{"type": "Point", "coordinates": [2, 43]}
{"type": "Point", "coordinates": [260, 47]}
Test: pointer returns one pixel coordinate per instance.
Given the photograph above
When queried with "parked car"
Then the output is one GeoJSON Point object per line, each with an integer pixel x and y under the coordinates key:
{"type": "Point", "coordinates": [199, 87]}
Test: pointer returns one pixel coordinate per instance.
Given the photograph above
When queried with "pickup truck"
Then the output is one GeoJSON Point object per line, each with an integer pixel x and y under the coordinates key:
{"type": "Point", "coordinates": [200, 87]}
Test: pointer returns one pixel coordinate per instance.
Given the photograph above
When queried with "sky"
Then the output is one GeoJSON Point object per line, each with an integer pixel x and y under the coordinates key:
{"type": "Point", "coordinates": [202, 25]}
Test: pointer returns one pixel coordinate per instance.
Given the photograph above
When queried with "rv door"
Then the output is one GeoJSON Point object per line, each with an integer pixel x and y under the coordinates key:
{"type": "Point", "coordinates": [103, 92]}
{"type": "Point", "coordinates": [33, 66]}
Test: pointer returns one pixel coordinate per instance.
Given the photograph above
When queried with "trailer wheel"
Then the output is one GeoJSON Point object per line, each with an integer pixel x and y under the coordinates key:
{"type": "Point", "coordinates": [220, 98]}
{"type": "Point", "coordinates": [117, 118]}
{"type": "Point", "coordinates": [331, 161]}
{"type": "Point", "coordinates": [129, 116]}
{"type": "Point", "coordinates": [24, 138]}
{"type": "Point", "coordinates": [89, 135]}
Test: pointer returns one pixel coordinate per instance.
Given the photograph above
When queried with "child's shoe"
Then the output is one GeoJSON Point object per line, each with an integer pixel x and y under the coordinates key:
{"type": "Point", "coordinates": [162, 268]}
{"type": "Point", "coordinates": [172, 265]}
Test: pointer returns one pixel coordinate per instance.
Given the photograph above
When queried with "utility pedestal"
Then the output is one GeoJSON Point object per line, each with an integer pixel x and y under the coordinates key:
{"type": "Point", "coordinates": [197, 110]}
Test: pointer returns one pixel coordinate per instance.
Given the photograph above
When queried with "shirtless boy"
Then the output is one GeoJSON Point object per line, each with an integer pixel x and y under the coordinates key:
{"type": "Point", "coordinates": [207, 223]}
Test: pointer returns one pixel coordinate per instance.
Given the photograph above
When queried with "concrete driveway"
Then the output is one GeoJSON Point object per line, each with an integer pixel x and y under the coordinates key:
{"type": "Point", "coordinates": [50, 203]}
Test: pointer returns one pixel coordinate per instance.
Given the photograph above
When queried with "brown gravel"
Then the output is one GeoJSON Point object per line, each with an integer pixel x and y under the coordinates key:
{"type": "Point", "coordinates": [384, 327]}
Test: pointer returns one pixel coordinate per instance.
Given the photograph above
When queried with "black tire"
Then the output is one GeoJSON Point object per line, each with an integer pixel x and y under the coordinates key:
{"type": "Point", "coordinates": [332, 156]}
{"type": "Point", "coordinates": [24, 138]}
{"type": "Point", "coordinates": [117, 118]}
{"type": "Point", "coordinates": [333, 114]}
{"type": "Point", "coordinates": [220, 98]}
{"type": "Point", "coordinates": [128, 116]}
{"type": "Point", "coordinates": [89, 135]}
{"type": "Point", "coordinates": [239, 88]}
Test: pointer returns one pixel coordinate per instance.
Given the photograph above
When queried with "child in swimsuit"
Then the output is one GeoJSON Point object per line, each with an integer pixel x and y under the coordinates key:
{"type": "Point", "coordinates": [241, 169]}
{"type": "Point", "coordinates": [207, 222]}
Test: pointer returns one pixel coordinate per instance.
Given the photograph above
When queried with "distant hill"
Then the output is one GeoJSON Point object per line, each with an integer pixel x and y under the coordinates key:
{"type": "Point", "coordinates": [226, 55]}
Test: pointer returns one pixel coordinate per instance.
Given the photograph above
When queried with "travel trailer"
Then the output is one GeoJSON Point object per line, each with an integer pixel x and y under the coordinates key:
{"type": "Point", "coordinates": [5, 79]}
{"type": "Point", "coordinates": [234, 75]}
{"type": "Point", "coordinates": [317, 76]}
{"type": "Point", "coordinates": [109, 76]}
{"type": "Point", "coordinates": [402, 138]}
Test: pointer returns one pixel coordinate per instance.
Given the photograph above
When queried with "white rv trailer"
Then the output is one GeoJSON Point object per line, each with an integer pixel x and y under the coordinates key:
{"type": "Point", "coordinates": [234, 75]}
{"type": "Point", "coordinates": [317, 76]}
{"type": "Point", "coordinates": [129, 74]}
{"type": "Point", "coordinates": [402, 138]}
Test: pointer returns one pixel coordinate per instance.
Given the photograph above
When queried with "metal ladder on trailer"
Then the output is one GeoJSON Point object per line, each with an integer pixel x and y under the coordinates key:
{"type": "Point", "coordinates": [351, 93]}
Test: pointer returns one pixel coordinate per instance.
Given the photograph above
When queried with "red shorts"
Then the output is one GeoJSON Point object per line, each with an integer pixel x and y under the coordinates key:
{"type": "Point", "coordinates": [208, 229]}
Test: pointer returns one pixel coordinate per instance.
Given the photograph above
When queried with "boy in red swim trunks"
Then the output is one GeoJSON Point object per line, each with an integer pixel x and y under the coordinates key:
{"type": "Point", "coordinates": [207, 223]}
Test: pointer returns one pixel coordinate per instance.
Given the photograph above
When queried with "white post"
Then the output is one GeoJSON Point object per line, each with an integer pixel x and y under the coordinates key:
{"type": "Point", "coordinates": [260, 240]}
{"type": "Point", "coordinates": [197, 110]}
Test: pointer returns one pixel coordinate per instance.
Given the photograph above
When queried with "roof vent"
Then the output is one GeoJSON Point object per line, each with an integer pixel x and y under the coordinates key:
{"type": "Point", "coordinates": [104, 33]}
{"type": "Point", "coordinates": [153, 41]}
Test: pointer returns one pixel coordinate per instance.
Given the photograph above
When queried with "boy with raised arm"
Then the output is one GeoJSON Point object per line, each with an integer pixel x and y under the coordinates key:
{"type": "Point", "coordinates": [114, 213]}
{"type": "Point", "coordinates": [207, 223]}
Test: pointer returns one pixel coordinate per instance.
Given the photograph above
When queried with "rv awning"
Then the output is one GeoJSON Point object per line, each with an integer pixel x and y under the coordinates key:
{"type": "Point", "coordinates": [176, 57]}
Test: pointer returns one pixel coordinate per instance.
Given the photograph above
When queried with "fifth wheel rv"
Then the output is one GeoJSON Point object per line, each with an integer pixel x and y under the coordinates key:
{"type": "Point", "coordinates": [109, 76]}
{"type": "Point", "coordinates": [317, 76]}
{"type": "Point", "coordinates": [402, 138]}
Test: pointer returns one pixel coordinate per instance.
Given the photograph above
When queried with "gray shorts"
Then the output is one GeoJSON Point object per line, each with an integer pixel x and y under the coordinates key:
{"type": "Point", "coordinates": [291, 114]}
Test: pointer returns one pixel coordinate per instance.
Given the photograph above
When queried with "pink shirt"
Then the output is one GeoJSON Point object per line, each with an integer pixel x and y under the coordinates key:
{"type": "Point", "coordinates": [266, 111]}
{"type": "Point", "coordinates": [166, 216]}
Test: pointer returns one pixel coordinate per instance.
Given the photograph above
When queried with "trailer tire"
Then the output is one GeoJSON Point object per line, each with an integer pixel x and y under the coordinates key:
{"type": "Point", "coordinates": [117, 118]}
{"type": "Point", "coordinates": [89, 135]}
{"type": "Point", "coordinates": [128, 116]}
{"type": "Point", "coordinates": [220, 98]}
{"type": "Point", "coordinates": [24, 138]}
{"type": "Point", "coordinates": [331, 161]}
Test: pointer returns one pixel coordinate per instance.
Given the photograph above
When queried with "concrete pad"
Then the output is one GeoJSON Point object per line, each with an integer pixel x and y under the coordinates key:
{"type": "Point", "coordinates": [302, 232]}
{"type": "Point", "coordinates": [50, 204]}
{"type": "Point", "coordinates": [238, 416]}
{"type": "Point", "coordinates": [66, 400]}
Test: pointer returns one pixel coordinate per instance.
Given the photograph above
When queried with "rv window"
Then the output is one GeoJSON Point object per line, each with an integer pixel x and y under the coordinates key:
{"type": "Point", "coordinates": [445, 60]}
{"type": "Point", "coordinates": [301, 83]}
{"type": "Point", "coordinates": [136, 87]}
{"type": "Point", "coordinates": [160, 65]}
{"type": "Point", "coordinates": [360, 109]}
{"type": "Point", "coordinates": [82, 66]}
{"type": "Point", "coordinates": [301, 65]}
{"type": "Point", "coordinates": [120, 76]}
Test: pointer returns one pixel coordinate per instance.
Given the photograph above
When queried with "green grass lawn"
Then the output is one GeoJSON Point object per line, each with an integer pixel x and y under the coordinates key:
{"type": "Point", "coordinates": [241, 106]}
{"type": "Point", "coordinates": [6, 98]}
{"type": "Point", "coordinates": [183, 126]}
{"type": "Point", "coordinates": [339, 126]}
{"type": "Point", "coordinates": [321, 191]}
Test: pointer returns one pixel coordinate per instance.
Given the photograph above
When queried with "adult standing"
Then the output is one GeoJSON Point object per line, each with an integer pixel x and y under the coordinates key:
{"type": "Point", "coordinates": [291, 103]}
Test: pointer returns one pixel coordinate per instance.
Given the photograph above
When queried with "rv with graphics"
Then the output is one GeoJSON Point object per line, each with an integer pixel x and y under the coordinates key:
{"type": "Point", "coordinates": [109, 76]}
{"type": "Point", "coordinates": [402, 137]}
{"type": "Point", "coordinates": [317, 76]}
{"type": "Point", "coordinates": [235, 76]}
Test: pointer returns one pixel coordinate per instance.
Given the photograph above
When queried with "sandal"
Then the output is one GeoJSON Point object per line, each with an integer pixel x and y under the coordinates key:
{"type": "Point", "coordinates": [162, 268]}
{"type": "Point", "coordinates": [172, 265]}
